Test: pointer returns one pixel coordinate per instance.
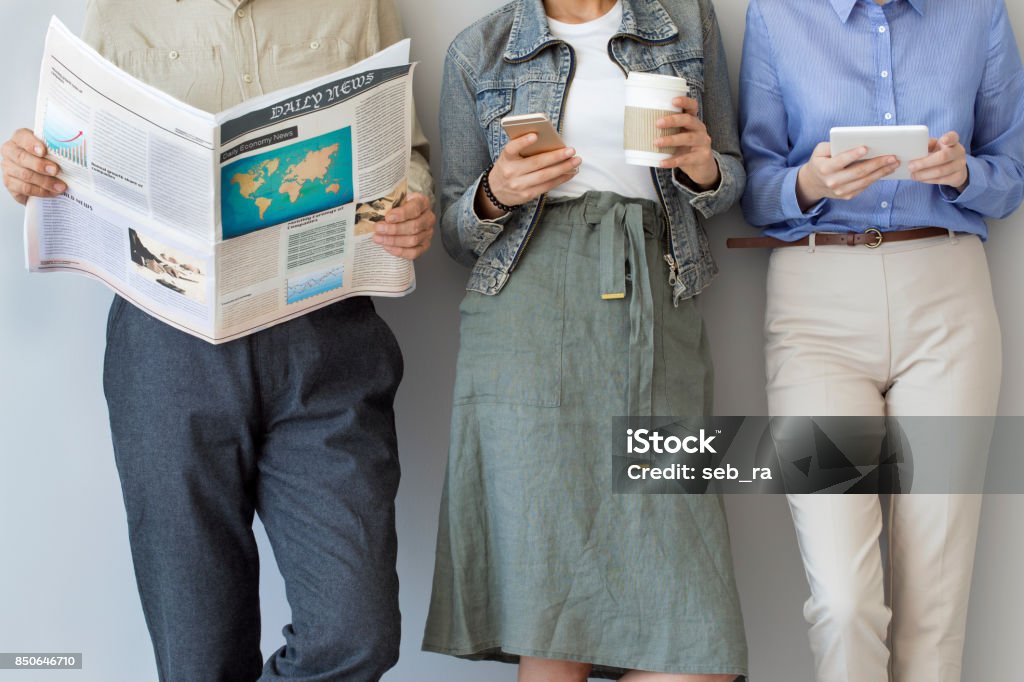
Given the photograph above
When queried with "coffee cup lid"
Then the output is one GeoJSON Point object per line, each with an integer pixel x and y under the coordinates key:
{"type": "Point", "coordinates": [656, 80]}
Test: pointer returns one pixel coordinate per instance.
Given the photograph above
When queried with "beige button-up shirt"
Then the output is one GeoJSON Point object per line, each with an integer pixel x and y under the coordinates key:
{"type": "Point", "coordinates": [214, 54]}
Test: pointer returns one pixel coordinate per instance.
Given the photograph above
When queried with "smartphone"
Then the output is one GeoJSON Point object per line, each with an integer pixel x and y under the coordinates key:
{"type": "Point", "coordinates": [548, 139]}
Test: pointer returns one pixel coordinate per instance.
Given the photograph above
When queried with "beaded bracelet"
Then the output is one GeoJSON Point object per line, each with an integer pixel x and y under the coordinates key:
{"type": "Point", "coordinates": [485, 183]}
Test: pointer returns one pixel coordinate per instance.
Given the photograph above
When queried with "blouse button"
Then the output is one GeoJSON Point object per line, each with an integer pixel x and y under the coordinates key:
{"type": "Point", "coordinates": [173, 54]}
{"type": "Point", "coordinates": [247, 78]}
{"type": "Point", "coordinates": [315, 45]}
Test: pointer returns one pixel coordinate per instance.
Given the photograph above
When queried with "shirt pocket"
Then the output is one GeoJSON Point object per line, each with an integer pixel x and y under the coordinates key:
{"type": "Point", "coordinates": [295, 63]}
{"type": "Point", "coordinates": [190, 74]}
{"type": "Point", "coordinates": [492, 105]}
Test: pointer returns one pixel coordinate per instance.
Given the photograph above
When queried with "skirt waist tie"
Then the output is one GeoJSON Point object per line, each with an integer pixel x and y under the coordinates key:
{"type": "Point", "coordinates": [624, 257]}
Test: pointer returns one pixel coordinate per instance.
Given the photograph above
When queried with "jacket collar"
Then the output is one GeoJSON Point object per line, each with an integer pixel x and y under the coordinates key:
{"type": "Point", "coordinates": [845, 7]}
{"type": "Point", "coordinates": [644, 20]}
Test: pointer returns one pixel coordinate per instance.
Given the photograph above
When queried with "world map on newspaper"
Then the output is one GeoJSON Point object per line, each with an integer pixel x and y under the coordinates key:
{"type": "Point", "coordinates": [287, 183]}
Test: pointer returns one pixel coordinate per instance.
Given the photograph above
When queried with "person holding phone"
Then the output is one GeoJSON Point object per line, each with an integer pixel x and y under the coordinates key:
{"type": "Point", "coordinates": [879, 301]}
{"type": "Point", "coordinates": [538, 562]}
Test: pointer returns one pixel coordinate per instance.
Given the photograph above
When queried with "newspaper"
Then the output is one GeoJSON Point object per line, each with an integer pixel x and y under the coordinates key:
{"type": "Point", "coordinates": [222, 225]}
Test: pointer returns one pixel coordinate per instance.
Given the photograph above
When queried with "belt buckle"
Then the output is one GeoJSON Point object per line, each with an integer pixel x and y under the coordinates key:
{"type": "Point", "coordinates": [879, 238]}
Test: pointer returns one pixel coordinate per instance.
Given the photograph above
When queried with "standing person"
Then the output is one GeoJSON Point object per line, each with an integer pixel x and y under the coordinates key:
{"type": "Point", "coordinates": [538, 562]}
{"type": "Point", "coordinates": [882, 304]}
{"type": "Point", "coordinates": [294, 423]}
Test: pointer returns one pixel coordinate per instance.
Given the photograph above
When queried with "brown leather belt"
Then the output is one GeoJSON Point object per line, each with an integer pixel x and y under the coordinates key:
{"type": "Point", "coordinates": [871, 238]}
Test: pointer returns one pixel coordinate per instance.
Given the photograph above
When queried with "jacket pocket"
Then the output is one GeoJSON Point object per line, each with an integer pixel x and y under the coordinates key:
{"type": "Point", "coordinates": [492, 105]}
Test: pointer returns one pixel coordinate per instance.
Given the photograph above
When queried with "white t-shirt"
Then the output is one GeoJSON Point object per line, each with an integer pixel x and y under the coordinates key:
{"type": "Point", "coordinates": [594, 114]}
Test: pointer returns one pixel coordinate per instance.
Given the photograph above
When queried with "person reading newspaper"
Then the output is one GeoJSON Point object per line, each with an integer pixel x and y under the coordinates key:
{"type": "Point", "coordinates": [294, 423]}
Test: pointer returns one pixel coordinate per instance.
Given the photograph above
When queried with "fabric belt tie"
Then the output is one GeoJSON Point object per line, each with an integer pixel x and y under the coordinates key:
{"type": "Point", "coordinates": [622, 246]}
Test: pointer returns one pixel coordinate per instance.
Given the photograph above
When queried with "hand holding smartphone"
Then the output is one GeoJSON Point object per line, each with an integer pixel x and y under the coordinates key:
{"type": "Point", "coordinates": [535, 161]}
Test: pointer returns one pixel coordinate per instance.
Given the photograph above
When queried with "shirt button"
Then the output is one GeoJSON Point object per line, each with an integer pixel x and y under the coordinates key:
{"type": "Point", "coordinates": [173, 54]}
{"type": "Point", "coordinates": [241, 13]}
{"type": "Point", "coordinates": [315, 45]}
{"type": "Point", "coordinates": [882, 29]}
{"type": "Point", "coordinates": [885, 74]}
{"type": "Point", "coordinates": [888, 117]}
{"type": "Point", "coordinates": [885, 204]}
{"type": "Point", "coordinates": [247, 78]}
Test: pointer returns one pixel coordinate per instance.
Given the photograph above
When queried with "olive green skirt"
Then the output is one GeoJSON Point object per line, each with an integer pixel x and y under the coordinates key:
{"type": "Point", "coordinates": [535, 554]}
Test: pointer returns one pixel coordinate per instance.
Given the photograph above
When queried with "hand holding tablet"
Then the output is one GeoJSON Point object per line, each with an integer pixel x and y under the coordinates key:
{"type": "Point", "coordinates": [906, 143]}
{"type": "Point", "coordinates": [946, 163]}
{"type": "Point", "coordinates": [857, 157]}
{"type": "Point", "coordinates": [841, 176]}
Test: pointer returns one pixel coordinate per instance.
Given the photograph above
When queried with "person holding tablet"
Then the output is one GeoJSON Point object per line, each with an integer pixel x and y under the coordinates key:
{"type": "Point", "coordinates": [879, 296]}
{"type": "Point", "coordinates": [581, 306]}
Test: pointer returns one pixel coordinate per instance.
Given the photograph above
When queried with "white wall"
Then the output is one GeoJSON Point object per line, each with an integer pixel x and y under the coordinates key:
{"type": "Point", "coordinates": [66, 581]}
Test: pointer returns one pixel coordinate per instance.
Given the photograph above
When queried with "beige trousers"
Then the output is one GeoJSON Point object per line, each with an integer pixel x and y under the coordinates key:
{"type": "Point", "coordinates": [908, 329]}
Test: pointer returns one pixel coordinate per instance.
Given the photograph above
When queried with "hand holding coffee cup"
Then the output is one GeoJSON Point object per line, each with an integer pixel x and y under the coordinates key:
{"type": "Point", "coordinates": [688, 136]}
{"type": "Point", "coordinates": [663, 130]}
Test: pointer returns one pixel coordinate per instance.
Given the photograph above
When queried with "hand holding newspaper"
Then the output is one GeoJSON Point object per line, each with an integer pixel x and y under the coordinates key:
{"type": "Point", "coordinates": [222, 225]}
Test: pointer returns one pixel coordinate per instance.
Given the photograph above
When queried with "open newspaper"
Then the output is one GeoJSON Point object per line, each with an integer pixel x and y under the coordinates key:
{"type": "Point", "coordinates": [221, 225]}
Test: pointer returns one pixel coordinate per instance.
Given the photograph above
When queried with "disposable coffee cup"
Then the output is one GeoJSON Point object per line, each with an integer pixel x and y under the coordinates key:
{"type": "Point", "coordinates": [649, 98]}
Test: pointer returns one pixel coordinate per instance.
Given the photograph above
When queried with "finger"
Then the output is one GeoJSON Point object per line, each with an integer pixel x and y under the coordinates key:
{"type": "Point", "coordinates": [822, 151]}
{"type": "Point", "coordinates": [862, 169]}
{"type": "Point", "coordinates": [20, 198]}
{"type": "Point", "coordinates": [415, 205]}
{"type": "Point", "coordinates": [684, 140]}
{"type": "Point", "coordinates": [936, 173]}
{"type": "Point", "coordinates": [26, 158]}
{"type": "Point", "coordinates": [19, 172]}
{"type": "Point", "coordinates": [26, 139]}
{"type": "Point", "coordinates": [545, 160]}
{"type": "Point", "coordinates": [516, 146]}
{"type": "Point", "coordinates": [857, 187]}
{"type": "Point", "coordinates": [421, 223]}
{"type": "Point", "coordinates": [16, 186]}
{"type": "Point", "coordinates": [406, 252]}
{"type": "Point", "coordinates": [950, 139]}
{"type": "Point", "coordinates": [844, 160]}
{"type": "Point", "coordinates": [685, 121]}
{"type": "Point", "coordinates": [939, 158]}
{"type": "Point", "coordinates": [546, 175]}
{"type": "Point", "coordinates": [401, 240]}
{"type": "Point", "coordinates": [687, 104]}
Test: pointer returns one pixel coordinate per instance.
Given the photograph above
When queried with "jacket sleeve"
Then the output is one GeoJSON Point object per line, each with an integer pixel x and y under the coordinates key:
{"type": "Point", "coordinates": [995, 158]}
{"type": "Point", "coordinates": [720, 119]}
{"type": "Point", "coordinates": [465, 157]}
{"type": "Point", "coordinates": [420, 179]}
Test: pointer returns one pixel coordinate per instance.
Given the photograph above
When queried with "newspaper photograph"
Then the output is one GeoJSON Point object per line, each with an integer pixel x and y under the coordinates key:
{"type": "Point", "coordinates": [222, 224]}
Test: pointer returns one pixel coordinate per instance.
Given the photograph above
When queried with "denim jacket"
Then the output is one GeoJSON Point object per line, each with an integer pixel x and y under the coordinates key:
{"type": "Point", "coordinates": [509, 63]}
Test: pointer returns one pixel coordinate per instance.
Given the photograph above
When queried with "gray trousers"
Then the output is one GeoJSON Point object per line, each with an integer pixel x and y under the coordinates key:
{"type": "Point", "coordinates": [294, 423]}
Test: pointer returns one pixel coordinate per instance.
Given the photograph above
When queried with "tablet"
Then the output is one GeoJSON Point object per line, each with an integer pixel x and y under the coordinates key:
{"type": "Point", "coordinates": [907, 143]}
